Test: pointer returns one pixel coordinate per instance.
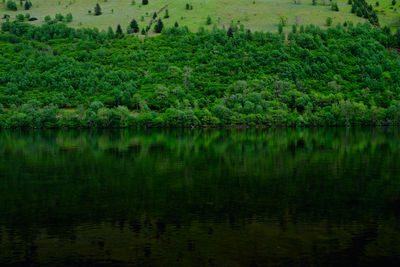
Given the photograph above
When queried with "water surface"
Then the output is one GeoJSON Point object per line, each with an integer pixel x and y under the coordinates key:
{"type": "Point", "coordinates": [260, 197]}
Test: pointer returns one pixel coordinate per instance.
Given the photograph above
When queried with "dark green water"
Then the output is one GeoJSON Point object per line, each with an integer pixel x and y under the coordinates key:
{"type": "Point", "coordinates": [201, 197]}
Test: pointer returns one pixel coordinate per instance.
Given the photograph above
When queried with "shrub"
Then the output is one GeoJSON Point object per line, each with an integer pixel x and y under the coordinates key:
{"type": "Point", "coordinates": [11, 5]}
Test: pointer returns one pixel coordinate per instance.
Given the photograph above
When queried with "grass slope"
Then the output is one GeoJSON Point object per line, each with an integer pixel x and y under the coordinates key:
{"type": "Point", "coordinates": [388, 14]}
{"type": "Point", "coordinates": [258, 15]}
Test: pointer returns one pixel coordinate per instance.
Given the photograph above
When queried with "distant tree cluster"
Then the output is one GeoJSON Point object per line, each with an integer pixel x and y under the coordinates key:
{"type": "Point", "coordinates": [362, 9]}
{"type": "Point", "coordinates": [58, 18]}
{"type": "Point", "coordinates": [188, 6]}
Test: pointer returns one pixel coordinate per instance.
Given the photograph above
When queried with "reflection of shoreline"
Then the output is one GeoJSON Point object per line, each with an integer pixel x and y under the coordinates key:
{"type": "Point", "coordinates": [327, 191]}
{"type": "Point", "coordinates": [222, 243]}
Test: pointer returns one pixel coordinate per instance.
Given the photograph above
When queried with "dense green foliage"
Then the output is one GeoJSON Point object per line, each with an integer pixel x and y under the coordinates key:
{"type": "Point", "coordinates": [55, 76]}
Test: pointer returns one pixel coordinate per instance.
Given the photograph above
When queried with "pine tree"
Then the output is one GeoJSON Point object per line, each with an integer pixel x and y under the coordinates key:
{"type": "Point", "coordinates": [110, 33]}
{"type": "Point", "coordinates": [145, 2]}
{"type": "Point", "coordinates": [154, 15]}
{"type": "Point", "coordinates": [27, 5]}
{"type": "Point", "coordinates": [166, 14]}
{"type": "Point", "coordinates": [143, 32]}
{"type": "Point", "coordinates": [119, 32]}
{"type": "Point", "coordinates": [159, 26]}
{"type": "Point", "coordinates": [97, 10]}
{"type": "Point", "coordinates": [176, 24]}
{"type": "Point", "coordinates": [187, 6]}
{"type": "Point", "coordinates": [230, 32]}
{"type": "Point", "coordinates": [134, 27]}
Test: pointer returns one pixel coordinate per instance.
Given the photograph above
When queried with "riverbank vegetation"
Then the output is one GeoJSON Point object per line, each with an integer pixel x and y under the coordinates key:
{"type": "Point", "coordinates": [56, 76]}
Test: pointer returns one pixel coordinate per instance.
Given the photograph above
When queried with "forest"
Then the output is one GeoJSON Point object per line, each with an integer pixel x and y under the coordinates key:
{"type": "Point", "coordinates": [54, 76]}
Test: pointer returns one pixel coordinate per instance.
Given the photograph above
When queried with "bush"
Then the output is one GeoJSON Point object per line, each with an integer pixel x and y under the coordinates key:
{"type": "Point", "coordinates": [11, 5]}
{"type": "Point", "coordinates": [328, 21]}
{"type": "Point", "coordinates": [20, 17]}
{"type": "Point", "coordinates": [68, 17]}
{"type": "Point", "coordinates": [209, 20]}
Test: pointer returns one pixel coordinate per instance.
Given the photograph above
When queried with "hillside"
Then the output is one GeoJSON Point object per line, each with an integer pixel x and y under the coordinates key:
{"type": "Point", "coordinates": [253, 14]}
{"type": "Point", "coordinates": [55, 76]}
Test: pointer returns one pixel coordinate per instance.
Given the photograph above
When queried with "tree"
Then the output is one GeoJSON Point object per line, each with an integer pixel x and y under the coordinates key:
{"type": "Point", "coordinates": [230, 32]}
{"type": "Point", "coordinates": [59, 17]}
{"type": "Point", "coordinates": [176, 24]}
{"type": "Point", "coordinates": [209, 20]}
{"type": "Point", "coordinates": [334, 6]}
{"type": "Point", "coordinates": [68, 17]}
{"type": "Point", "coordinates": [350, 2]}
{"type": "Point", "coordinates": [187, 6]}
{"type": "Point", "coordinates": [280, 28]}
{"type": "Point", "coordinates": [294, 28]}
{"type": "Point", "coordinates": [314, 2]}
{"type": "Point", "coordinates": [47, 19]}
{"type": "Point", "coordinates": [154, 15]}
{"type": "Point", "coordinates": [159, 26]}
{"type": "Point", "coordinates": [119, 32]}
{"type": "Point", "coordinates": [20, 17]}
{"type": "Point", "coordinates": [328, 21]}
{"type": "Point", "coordinates": [97, 10]}
{"type": "Point", "coordinates": [27, 5]}
{"type": "Point", "coordinates": [145, 2]}
{"type": "Point", "coordinates": [143, 31]}
{"type": "Point", "coordinates": [110, 33]}
{"type": "Point", "coordinates": [134, 27]}
{"type": "Point", "coordinates": [283, 20]}
{"type": "Point", "coordinates": [393, 2]}
{"type": "Point", "coordinates": [11, 5]}
{"type": "Point", "coordinates": [166, 14]}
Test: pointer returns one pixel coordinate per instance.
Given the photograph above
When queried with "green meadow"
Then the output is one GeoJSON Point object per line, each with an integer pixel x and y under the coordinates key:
{"type": "Point", "coordinates": [388, 13]}
{"type": "Point", "coordinates": [260, 15]}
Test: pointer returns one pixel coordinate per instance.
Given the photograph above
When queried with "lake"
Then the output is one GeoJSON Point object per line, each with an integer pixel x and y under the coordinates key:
{"type": "Point", "coordinates": [210, 197]}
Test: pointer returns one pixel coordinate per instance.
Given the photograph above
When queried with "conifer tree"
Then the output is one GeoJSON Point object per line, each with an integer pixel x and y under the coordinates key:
{"type": "Point", "coordinates": [159, 26]}
{"type": "Point", "coordinates": [97, 10]}
{"type": "Point", "coordinates": [134, 27]}
{"type": "Point", "coordinates": [230, 32]}
{"type": "Point", "coordinates": [119, 32]}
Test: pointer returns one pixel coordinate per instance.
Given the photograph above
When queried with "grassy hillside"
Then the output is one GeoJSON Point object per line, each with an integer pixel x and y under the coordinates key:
{"type": "Point", "coordinates": [388, 14]}
{"type": "Point", "coordinates": [256, 15]}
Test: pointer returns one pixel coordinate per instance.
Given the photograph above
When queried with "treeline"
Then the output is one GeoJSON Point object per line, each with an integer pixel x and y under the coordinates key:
{"type": "Point", "coordinates": [362, 9]}
{"type": "Point", "coordinates": [56, 76]}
